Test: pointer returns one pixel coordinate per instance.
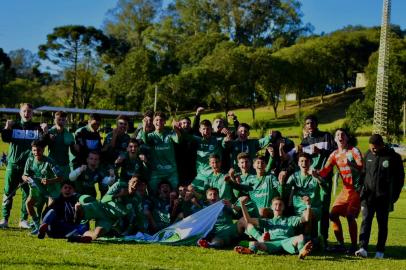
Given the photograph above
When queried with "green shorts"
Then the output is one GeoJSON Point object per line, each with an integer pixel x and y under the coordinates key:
{"type": "Point", "coordinates": [281, 244]}
{"type": "Point", "coordinates": [93, 209]}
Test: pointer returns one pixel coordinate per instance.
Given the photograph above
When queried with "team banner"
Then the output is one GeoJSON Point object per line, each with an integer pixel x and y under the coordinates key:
{"type": "Point", "coordinates": [185, 232]}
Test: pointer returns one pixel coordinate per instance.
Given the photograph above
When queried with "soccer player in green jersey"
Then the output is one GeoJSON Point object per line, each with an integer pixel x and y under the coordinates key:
{"type": "Point", "coordinates": [244, 144]}
{"type": "Point", "coordinates": [121, 201]}
{"type": "Point", "coordinates": [305, 183]}
{"type": "Point", "coordinates": [162, 154]}
{"type": "Point", "coordinates": [86, 176]}
{"type": "Point", "coordinates": [279, 231]}
{"type": "Point", "coordinates": [60, 142]}
{"type": "Point", "coordinates": [19, 135]}
{"type": "Point", "coordinates": [44, 179]}
{"type": "Point", "coordinates": [207, 145]}
{"type": "Point", "coordinates": [225, 231]}
{"type": "Point", "coordinates": [264, 187]}
{"type": "Point", "coordinates": [219, 180]}
{"type": "Point", "coordinates": [130, 162]}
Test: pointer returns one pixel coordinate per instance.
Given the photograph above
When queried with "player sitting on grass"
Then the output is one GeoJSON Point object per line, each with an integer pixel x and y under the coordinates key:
{"type": "Point", "coordinates": [121, 201]}
{"type": "Point", "coordinates": [160, 210]}
{"type": "Point", "coordinates": [86, 176]}
{"type": "Point", "coordinates": [348, 160]}
{"type": "Point", "coordinates": [279, 231]}
{"type": "Point", "coordinates": [59, 218]}
{"type": "Point", "coordinates": [225, 231]}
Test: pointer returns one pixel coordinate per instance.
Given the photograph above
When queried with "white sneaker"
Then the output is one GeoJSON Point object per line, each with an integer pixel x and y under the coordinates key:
{"type": "Point", "coordinates": [24, 224]}
{"type": "Point", "coordinates": [361, 253]}
{"type": "Point", "coordinates": [379, 255]}
{"type": "Point", "coordinates": [4, 223]}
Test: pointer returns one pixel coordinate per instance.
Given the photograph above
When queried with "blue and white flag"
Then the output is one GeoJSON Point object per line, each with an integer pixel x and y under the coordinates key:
{"type": "Point", "coordinates": [185, 232]}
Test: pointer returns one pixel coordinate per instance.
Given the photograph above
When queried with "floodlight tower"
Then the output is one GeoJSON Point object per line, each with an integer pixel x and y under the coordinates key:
{"type": "Point", "coordinates": [381, 94]}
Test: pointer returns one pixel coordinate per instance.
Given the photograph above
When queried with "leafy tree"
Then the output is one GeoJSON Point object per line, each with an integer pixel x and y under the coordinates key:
{"type": "Point", "coordinates": [24, 62]}
{"type": "Point", "coordinates": [361, 112]}
{"type": "Point", "coordinates": [69, 46]}
{"type": "Point", "coordinates": [132, 77]}
{"type": "Point", "coordinates": [130, 18]}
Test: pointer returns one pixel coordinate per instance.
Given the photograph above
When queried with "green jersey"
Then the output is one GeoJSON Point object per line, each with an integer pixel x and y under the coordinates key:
{"type": "Point", "coordinates": [263, 190]}
{"type": "Point", "coordinates": [162, 151]}
{"type": "Point", "coordinates": [84, 184]}
{"type": "Point", "coordinates": [304, 185]}
{"type": "Point", "coordinates": [206, 148]}
{"type": "Point", "coordinates": [121, 144]}
{"type": "Point", "coordinates": [250, 146]}
{"type": "Point", "coordinates": [161, 212]}
{"type": "Point", "coordinates": [42, 169]}
{"type": "Point", "coordinates": [130, 167]}
{"type": "Point", "coordinates": [59, 146]}
{"type": "Point", "coordinates": [225, 189]}
{"type": "Point", "coordinates": [281, 227]}
{"type": "Point", "coordinates": [117, 207]}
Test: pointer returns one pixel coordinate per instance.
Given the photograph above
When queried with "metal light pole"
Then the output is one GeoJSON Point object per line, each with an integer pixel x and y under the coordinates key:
{"type": "Point", "coordinates": [381, 95]}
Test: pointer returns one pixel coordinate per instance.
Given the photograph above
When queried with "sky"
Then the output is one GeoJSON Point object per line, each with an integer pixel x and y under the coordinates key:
{"type": "Point", "coordinates": [25, 23]}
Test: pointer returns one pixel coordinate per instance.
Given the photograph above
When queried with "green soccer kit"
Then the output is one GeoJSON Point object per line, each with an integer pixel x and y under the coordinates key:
{"type": "Point", "coordinates": [250, 146]}
{"type": "Point", "coordinates": [19, 138]}
{"type": "Point", "coordinates": [111, 209]}
{"type": "Point", "coordinates": [264, 189]}
{"type": "Point", "coordinates": [282, 234]}
{"type": "Point", "coordinates": [299, 185]}
{"type": "Point", "coordinates": [162, 155]}
{"type": "Point", "coordinates": [58, 148]}
{"type": "Point", "coordinates": [131, 167]}
{"type": "Point", "coordinates": [42, 169]}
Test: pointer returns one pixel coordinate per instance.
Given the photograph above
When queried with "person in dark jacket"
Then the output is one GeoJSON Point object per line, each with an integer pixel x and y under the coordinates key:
{"type": "Point", "coordinates": [60, 214]}
{"type": "Point", "coordinates": [383, 182]}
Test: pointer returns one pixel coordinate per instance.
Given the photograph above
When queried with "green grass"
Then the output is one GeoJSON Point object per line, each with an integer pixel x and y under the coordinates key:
{"type": "Point", "coordinates": [19, 250]}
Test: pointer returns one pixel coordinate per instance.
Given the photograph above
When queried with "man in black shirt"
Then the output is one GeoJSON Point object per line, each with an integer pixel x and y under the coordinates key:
{"type": "Point", "coordinates": [384, 179]}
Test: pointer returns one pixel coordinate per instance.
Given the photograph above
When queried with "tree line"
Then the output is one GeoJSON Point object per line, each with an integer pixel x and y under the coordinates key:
{"type": "Point", "coordinates": [220, 54]}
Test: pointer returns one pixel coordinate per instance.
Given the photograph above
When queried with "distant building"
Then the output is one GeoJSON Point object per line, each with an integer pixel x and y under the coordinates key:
{"type": "Point", "coordinates": [361, 80]}
{"type": "Point", "coordinates": [291, 97]}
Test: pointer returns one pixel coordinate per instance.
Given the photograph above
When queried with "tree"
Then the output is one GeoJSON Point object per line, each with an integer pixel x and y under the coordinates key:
{"type": "Point", "coordinates": [24, 62]}
{"type": "Point", "coordinates": [133, 77]}
{"type": "Point", "coordinates": [228, 70]}
{"type": "Point", "coordinates": [130, 18]}
{"type": "Point", "coordinates": [271, 76]}
{"type": "Point", "coordinates": [361, 112]}
{"type": "Point", "coordinates": [69, 46]}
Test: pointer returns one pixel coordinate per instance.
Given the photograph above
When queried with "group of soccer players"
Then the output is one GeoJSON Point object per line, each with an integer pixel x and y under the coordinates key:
{"type": "Point", "coordinates": [276, 195]}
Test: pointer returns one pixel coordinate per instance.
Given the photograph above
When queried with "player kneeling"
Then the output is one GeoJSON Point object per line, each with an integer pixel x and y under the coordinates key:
{"type": "Point", "coordinates": [279, 231]}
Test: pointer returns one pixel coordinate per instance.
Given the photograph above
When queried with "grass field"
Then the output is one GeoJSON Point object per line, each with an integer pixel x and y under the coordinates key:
{"type": "Point", "coordinates": [19, 250]}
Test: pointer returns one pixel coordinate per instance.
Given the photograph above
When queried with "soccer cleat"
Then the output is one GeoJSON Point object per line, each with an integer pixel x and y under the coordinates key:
{"type": "Point", "coordinates": [42, 230]}
{"type": "Point", "coordinates": [24, 225]}
{"type": "Point", "coordinates": [243, 250]}
{"type": "Point", "coordinates": [361, 253]}
{"type": "Point", "coordinates": [379, 255]}
{"type": "Point", "coordinates": [307, 248]}
{"type": "Point", "coordinates": [203, 243]}
{"type": "Point", "coordinates": [4, 223]}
